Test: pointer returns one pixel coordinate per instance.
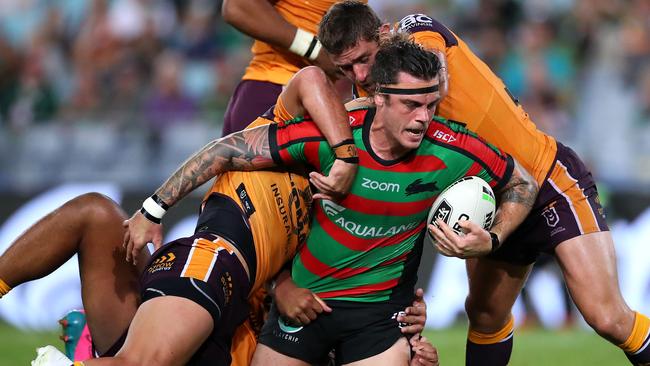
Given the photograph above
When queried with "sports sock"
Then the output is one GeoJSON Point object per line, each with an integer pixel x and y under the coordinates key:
{"type": "Point", "coordinates": [492, 349]}
{"type": "Point", "coordinates": [636, 346]}
{"type": "Point", "coordinates": [4, 288]}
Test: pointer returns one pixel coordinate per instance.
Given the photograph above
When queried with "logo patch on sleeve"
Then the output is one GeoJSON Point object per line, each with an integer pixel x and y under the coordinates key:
{"type": "Point", "coordinates": [245, 200]}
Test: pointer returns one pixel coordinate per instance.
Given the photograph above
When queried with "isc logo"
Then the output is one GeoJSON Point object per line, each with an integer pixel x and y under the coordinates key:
{"type": "Point", "coordinates": [443, 136]}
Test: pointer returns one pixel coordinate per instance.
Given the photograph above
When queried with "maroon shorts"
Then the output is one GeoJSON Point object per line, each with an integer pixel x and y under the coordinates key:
{"type": "Point", "coordinates": [202, 268]}
{"type": "Point", "coordinates": [250, 100]}
{"type": "Point", "coordinates": [567, 206]}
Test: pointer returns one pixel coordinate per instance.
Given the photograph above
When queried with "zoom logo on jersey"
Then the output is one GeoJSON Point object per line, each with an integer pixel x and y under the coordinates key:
{"type": "Point", "coordinates": [331, 208]}
{"type": "Point", "coordinates": [415, 20]}
{"type": "Point", "coordinates": [380, 186]}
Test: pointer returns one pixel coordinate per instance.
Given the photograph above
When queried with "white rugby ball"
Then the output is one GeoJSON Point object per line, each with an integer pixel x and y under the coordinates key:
{"type": "Point", "coordinates": [469, 198]}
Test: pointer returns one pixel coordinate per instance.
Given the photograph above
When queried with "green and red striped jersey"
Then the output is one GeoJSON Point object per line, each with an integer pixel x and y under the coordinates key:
{"type": "Point", "coordinates": [367, 247]}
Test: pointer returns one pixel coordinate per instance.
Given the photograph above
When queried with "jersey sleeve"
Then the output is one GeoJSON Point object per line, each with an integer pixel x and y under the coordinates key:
{"type": "Point", "coordinates": [490, 163]}
{"type": "Point", "coordinates": [427, 32]}
{"type": "Point", "coordinates": [298, 142]}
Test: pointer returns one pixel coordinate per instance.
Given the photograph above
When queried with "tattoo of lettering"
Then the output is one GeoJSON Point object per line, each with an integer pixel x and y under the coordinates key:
{"type": "Point", "coordinates": [245, 150]}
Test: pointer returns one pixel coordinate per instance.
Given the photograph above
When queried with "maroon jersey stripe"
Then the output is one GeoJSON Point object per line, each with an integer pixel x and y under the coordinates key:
{"type": "Point", "coordinates": [379, 207]}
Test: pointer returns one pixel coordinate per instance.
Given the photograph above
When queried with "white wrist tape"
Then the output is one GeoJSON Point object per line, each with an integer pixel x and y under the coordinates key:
{"type": "Point", "coordinates": [153, 208]}
{"type": "Point", "coordinates": [314, 53]}
{"type": "Point", "coordinates": [305, 44]}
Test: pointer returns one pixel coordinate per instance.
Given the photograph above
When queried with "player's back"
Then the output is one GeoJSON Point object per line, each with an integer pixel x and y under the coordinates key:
{"type": "Point", "coordinates": [478, 98]}
{"type": "Point", "coordinates": [277, 205]}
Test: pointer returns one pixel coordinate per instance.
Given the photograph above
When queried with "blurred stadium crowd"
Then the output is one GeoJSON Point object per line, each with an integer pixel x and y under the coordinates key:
{"type": "Point", "coordinates": [124, 90]}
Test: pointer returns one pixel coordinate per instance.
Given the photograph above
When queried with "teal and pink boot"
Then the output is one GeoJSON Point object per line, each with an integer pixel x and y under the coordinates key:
{"type": "Point", "coordinates": [76, 335]}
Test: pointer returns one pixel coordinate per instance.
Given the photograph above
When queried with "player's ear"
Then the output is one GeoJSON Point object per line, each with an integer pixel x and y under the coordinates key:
{"type": "Point", "coordinates": [385, 31]}
{"type": "Point", "coordinates": [379, 99]}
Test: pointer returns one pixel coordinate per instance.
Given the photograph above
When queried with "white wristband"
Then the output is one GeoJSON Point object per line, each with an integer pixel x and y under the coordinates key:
{"type": "Point", "coordinates": [305, 44]}
{"type": "Point", "coordinates": [153, 208]}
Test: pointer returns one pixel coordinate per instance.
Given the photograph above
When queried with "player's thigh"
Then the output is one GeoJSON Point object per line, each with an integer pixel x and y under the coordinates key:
{"type": "Point", "coordinates": [588, 263]}
{"type": "Point", "coordinates": [110, 289]}
{"type": "Point", "coordinates": [166, 330]}
{"type": "Point", "coordinates": [493, 288]}
{"type": "Point", "coordinates": [265, 355]}
{"type": "Point", "coordinates": [398, 354]}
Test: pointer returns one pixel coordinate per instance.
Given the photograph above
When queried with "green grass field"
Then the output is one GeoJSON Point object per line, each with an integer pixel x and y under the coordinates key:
{"type": "Point", "coordinates": [532, 347]}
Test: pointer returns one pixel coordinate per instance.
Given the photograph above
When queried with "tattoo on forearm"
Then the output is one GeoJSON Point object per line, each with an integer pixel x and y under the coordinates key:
{"type": "Point", "coordinates": [246, 150]}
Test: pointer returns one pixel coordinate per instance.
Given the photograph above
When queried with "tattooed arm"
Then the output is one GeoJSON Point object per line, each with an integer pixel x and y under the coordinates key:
{"type": "Point", "coordinates": [244, 150]}
{"type": "Point", "coordinates": [515, 199]}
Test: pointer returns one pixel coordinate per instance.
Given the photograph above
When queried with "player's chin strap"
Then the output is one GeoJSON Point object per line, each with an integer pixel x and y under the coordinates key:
{"type": "Point", "coordinates": [407, 89]}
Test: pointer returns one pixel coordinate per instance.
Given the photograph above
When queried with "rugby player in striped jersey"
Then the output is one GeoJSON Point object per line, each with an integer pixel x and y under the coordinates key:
{"type": "Point", "coordinates": [567, 220]}
{"type": "Point", "coordinates": [362, 254]}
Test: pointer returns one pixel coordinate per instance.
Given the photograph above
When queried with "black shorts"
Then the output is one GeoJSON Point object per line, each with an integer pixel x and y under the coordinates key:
{"type": "Point", "coordinates": [356, 330]}
{"type": "Point", "coordinates": [567, 206]}
{"type": "Point", "coordinates": [202, 268]}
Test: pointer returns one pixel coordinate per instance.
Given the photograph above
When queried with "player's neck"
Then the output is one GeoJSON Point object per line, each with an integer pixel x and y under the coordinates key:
{"type": "Point", "coordinates": [383, 144]}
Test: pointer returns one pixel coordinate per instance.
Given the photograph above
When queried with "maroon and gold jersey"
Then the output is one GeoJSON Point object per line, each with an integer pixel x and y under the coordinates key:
{"type": "Point", "coordinates": [478, 98]}
{"type": "Point", "coordinates": [277, 205]}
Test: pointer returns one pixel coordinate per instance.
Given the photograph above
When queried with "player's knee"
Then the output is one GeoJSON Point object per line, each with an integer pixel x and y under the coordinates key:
{"type": "Point", "coordinates": [607, 324]}
{"type": "Point", "coordinates": [483, 316]}
{"type": "Point", "coordinates": [98, 207]}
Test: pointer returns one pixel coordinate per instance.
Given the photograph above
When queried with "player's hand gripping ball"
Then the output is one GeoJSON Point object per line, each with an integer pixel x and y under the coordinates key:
{"type": "Point", "coordinates": [469, 198]}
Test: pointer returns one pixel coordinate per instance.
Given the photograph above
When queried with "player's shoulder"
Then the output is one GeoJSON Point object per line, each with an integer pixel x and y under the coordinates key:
{"type": "Point", "coordinates": [358, 109]}
{"type": "Point", "coordinates": [447, 130]}
{"type": "Point", "coordinates": [415, 23]}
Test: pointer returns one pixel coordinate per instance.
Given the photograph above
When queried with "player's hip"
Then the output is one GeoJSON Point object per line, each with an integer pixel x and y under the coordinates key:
{"type": "Point", "coordinates": [567, 206]}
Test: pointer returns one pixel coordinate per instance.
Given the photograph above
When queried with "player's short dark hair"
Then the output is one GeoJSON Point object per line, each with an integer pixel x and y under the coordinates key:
{"type": "Point", "coordinates": [401, 54]}
{"type": "Point", "coordinates": [346, 23]}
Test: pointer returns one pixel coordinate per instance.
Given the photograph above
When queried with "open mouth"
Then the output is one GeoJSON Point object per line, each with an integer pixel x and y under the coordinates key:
{"type": "Point", "coordinates": [415, 132]}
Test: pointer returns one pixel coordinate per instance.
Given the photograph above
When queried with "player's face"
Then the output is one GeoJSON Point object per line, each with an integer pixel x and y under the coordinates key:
{"type": "Point", "coordinates": [355, 62]}
{"type": "Point", "coordinates": [407, 117]}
